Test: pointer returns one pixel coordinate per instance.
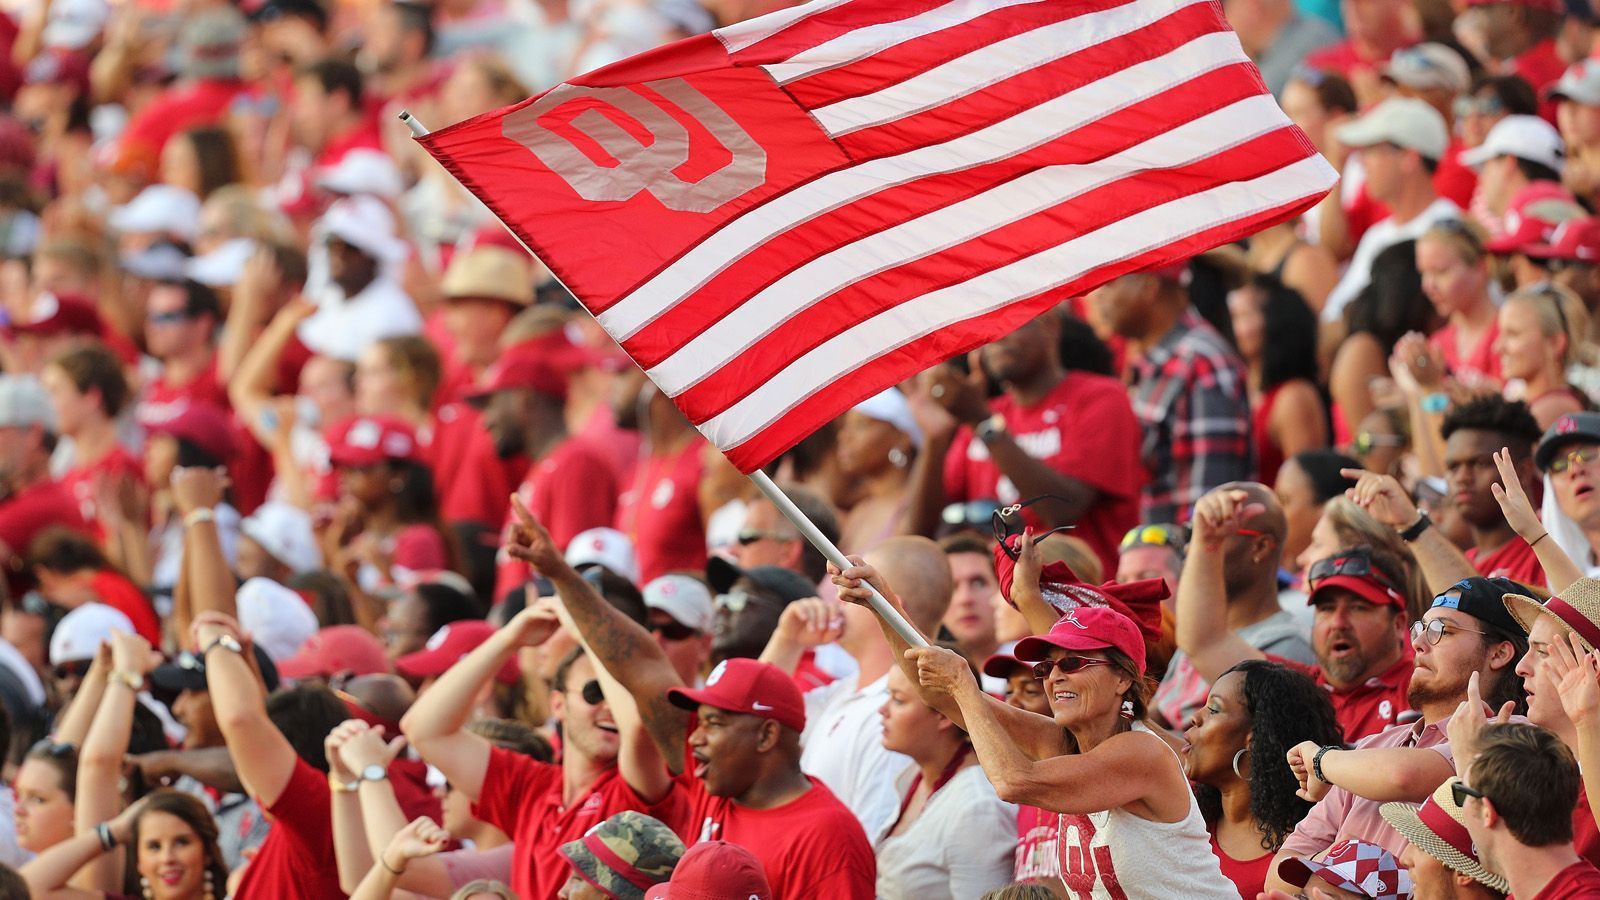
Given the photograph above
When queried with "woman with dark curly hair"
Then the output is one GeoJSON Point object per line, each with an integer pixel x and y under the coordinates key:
{"type": "Point", "coordinates": [1237, 758]}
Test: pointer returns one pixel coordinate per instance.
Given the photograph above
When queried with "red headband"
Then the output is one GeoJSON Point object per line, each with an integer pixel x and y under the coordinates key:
{"type": "Point", "coordinates": [616, 863]}
{"type": "Point", "coordinates": [1575, 620]}
{"type": "Point", "coordinates": [1447, 829]}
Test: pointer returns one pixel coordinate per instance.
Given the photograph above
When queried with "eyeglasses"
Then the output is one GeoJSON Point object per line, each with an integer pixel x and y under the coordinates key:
{"type": "Point", "coordinates": [1365, 442]}
{"type": "Point", "coordinates": [749, 536]}
{"type": "Point", "coordinates": [1478, 106]}
{"type": "Point", "coordinates": [673, 631]}
{"type": "Point", "coordinates": [172, 317]}
{"type": "Point", "coordinates": [1435, 630]}
{"type": "Point", "coordinates": [1459, 792]}
{"type": "Point", "coordinates": [733, 601]}
{"type": "Point", "coordinates": [1175, 537]}
{"type": "Point", "coordinates": [76, 668]}
{"type": "Point", "coordinates": [1007, 524]}
{"type": "Point", "coordinates": [1579, 457]}
{"type": "Point", "coordinates": [1354, 563]}
{"type": "Point", "coordinates": [1067, 664]}
{"type": "Point", "coordinates": [971, 513]}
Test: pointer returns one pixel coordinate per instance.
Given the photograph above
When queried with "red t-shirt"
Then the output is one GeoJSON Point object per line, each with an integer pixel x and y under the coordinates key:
{"type": "Point", "coordinates": [522, 797]}
{"type": "Point", "coordinates": [1455, 180]}
{"type": "Point", "coordinates": [1585, 836]}
{"type": "Point", "coordinates": [162, 399]}
{"type": "Point", "coordinates": [1579, 881]}
{"type": "Point", "coordinates": [1369, 707]}
{"type": "Point", "coordinates": [80, 482]}
{"type": "Point", "coordinates": [473, 481]}
{"type": "Point", "coordinates": [1248, 875]}
{"type": "Point", "coordinates": [1480, 362]}
{"type": "Point", "coordinates": [1514, 560]}
{"type": "Point", "coordinates": [23, 516]}
{"type": "Point", "coordinates": [296, 860]}
{"type": "Point", "coordinates": [811, 847]}
{"type": "Point", "coordinates": [119, 593]}
{"type": "Point", "coordinates": [1084, 428]}
{"type": "Point", "coordinates": [572, 489]}
{"type": "Point", "coordinates": [205, 102]}
{"type": "Point", "coordinates": [1038, 846]}
{"type": "Point", "coordinates": [660, 511]}
{"type": "Point", "coordinates": [1541, 67]}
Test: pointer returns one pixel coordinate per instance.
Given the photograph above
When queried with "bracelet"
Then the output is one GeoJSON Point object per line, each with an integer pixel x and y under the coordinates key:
{"type": "Point", "coordinates": [196, 516]}
{"type": "Point", "coordinates": [1416, 528]}
{"type": "Point", "coordinates": [1316, 762]}
{"type": "Point", "coordinates": [1538, 539]}
{"type": "Point", "coordinates": [1435, 403]}
{"type": "Point", "coordinates": [383, 859]}
{"type": "Point", "coordinates": [108, 841]}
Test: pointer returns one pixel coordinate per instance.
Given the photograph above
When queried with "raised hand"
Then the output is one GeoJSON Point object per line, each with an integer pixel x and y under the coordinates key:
{"type": "Point", "coordinates": [941, 671]}
{"type": "Point", "coordinates": [1300, 756]}
{"type": "Point", "coordinates": [1468, 722]}
{"type": "Point", "coordinates": [132, 654]}
{"type": "Point", "coordinates": [533, 626]}
{"type": "Point", "coordinates": [1382, 497]}
{"type": "Point", "coordinates": [1577, 676]}
{"type": "Point", "coordinates": [366, 747]}
{"type": "Point", "coordinates": [197, 488]}
{"type": "Point", "coordinates": [210, 625]}
{"type": "Point", "coordinates": [1220, 514]}
{"type": "Point", "coordinates": [1513, 500]}
{"type": "Point", "coordinates": [420, 837]}
{"type": "Point", "coordinates": [531, 542]}
{"type": "Point", "coordinates": [333, 746]}
{"type": "Point", "coordinates": [811, 622]}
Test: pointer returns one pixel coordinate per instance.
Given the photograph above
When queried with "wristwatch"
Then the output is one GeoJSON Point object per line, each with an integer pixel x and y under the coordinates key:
{"type": "Point", "coordinates": [990, 428]}
{"type": "Point", "coordinates": [374, 772]}
{"type": "Point", "coordinates": [133, 681]}
{"type": "Point", "coordinates": [1416, 528]}
{"type": "Point", "coordinates": [1316, 762]}
{"type": "Point", "coordinates": [226, 642]}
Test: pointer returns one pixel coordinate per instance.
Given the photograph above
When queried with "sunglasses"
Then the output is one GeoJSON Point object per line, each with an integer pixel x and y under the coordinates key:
{"type": "Point", "coordinates": [1354, 563]}
{"type": "Point", "coordinates": [1365, 442]}
{"type": "Point", "coordinates": [174, 317]}
{"type": "Point", "coordinates": [749, 536]}
{"type": "Point", "coordinates": [733, 601]}
{"type": "Point", "coordinates": [1581, 456]}
{"type": "Point", "coordinates": [591, 692]}
{"type": "Point", "coordinates": [971, 513]}
{"type": "Point", "coordinates": [1436, 630]}
{"type": "Point", "coordinates": [1067, 664]}
{"type": "Point", "coordinates": [673, 631]}
{"type": "Point", "coordinates": [76, 668]}
{"type": "Point", "coordinates": [1173, 536]}
{"type": "Point", "coordinates": [1460, 792]}
{"type": "Point", "coordinates": [1478, 106]}
{"type": "Point", "coordinates": [1007, 523]}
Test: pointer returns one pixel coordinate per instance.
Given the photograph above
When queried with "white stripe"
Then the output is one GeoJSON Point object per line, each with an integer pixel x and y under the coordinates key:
{"type": "Point", "coordinates": [992, 63]}
{"type": "Point", "coordinates": [861, 43]}
{"type": "Point", "coordinates": [1018, 134]}
{"type": "Point", "coordinates": [1210, 135]}
{"type": "Point", "coordinates": [740, 35]}
{"type": "Point", "coordinates": [992, 290]}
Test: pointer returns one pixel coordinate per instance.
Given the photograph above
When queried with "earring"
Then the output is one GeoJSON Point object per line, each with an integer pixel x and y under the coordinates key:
{"type": "Point", "coordinates": [210, 886]}
{"type": "Point", "coordinates": [1242, 751]}
{"type": "Point", "coordinates": [144, 887]}
{"type": "Point", "coordinates": [898, 458]}
{"type": "Point", "coordinates": [1127, 709]}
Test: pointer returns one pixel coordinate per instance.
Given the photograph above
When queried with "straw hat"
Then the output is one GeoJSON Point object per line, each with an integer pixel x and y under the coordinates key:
{"type": "Point", "coordinates": [490, 273]}
{"type": "Point", "coordinates": [1439, 828]}
{"type": "Point", "coordinates": [1575, 610]}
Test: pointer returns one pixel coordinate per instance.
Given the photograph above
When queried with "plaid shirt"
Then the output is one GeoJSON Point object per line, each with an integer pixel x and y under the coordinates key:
{"type": "Point", "coordinates": [1189, 394]}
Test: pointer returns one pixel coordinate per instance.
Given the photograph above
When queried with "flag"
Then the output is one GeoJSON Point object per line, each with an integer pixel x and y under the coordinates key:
{"type": "Point", "coordinates": [780, 218]}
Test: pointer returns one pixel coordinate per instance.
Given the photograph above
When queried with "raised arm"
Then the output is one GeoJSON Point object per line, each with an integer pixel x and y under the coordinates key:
{"type": "Point", "coordinates": [262, 756]}
{"type": "Point", "coordinates": [622, 646]}
{"type": "Point", "coordinates": [1025, 593]}
{"type": "Point", "coordinates": [436, 724]}
{"type": "Point", "coordinates": [1560, 572]}
{"type": "Point", "coordinates": [803, 625]}
{"type": "Point", "coordinates": [1202, 607]}
{"type": "Point", "coordinates": [1385, 500]}
{"type": "Point", "coordinates": [72, 726]}
{"type": "Point", "coordinates": [207, 582]}
{"type": "Point", "coordinates": [48, 873]}
{"type": "Point", "coordinates": [101, 758]}
{"type": "Point", "coordinates": [255, 381]}
{"type": "Point", "coordinates": [418, 840]}
{"type": "Point", "coordinates": [258, 281]}
{"type": "Point", "coordinates": [211, 766]}
{"type": "Point", "coordinates": [1576, 673]}
{"type": "Point", "coordinates": [925, 482]}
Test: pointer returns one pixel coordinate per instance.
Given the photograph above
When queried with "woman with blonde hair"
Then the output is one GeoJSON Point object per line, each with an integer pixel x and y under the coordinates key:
{"type": "Point", "coordinates": [1456, 279]}
{"type": "Point", "coordinates": [1540, 333]}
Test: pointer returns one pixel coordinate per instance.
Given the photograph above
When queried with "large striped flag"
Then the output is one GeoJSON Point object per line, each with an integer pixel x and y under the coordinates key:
{"type": "Point", "coordinates": [780, 218]}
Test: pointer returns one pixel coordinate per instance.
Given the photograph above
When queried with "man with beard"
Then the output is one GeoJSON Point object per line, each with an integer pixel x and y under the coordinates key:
{"type": "Point", "coordinates": [1358, 632]}
{"type": "Point", "coordinates": [1466, 637]}
{"type": "Point", "coordinates": [569, 485]}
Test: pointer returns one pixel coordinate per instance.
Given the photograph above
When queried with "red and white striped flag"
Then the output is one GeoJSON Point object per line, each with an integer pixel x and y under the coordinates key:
{"type": "Point", "coordinates": [783, 217]}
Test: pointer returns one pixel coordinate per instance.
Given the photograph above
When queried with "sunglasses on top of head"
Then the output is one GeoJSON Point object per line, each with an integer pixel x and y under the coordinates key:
{"type": "Point", "coordinates": [1353, 563]}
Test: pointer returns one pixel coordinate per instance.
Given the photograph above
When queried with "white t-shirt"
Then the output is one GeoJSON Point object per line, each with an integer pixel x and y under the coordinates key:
{"type": "Point", "coordinates": [843, 747]}
{"type": "Point", "coordinates": [961, 846]}
{"type": "Point", "coordinates": [1378, 238]}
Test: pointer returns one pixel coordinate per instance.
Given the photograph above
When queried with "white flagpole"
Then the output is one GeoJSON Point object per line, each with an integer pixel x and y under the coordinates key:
{"type": "Point", "coordinates": [771, 491]}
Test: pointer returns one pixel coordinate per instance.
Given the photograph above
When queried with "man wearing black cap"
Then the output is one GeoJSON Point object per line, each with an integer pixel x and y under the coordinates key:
{"type": "Point", "coordinates": [1569, 457]}
{"type": "Point", "coordinates": [1468, 637]}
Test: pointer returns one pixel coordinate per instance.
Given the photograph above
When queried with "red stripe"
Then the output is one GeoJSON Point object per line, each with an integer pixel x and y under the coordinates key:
{"type": "Point", "coordinates": [1575, 620]}
{"type": "Point", "coordinates": [912, 58]}
{"type": "Point", "coordinates": [900, 363]}
{"type": "Point", "coordinates": [808, 240]}
{"type": "Point", "coordinates": [858, 302]}
{"type": "Point", "coordinates": [1005, 98]}
{"type": "Point", "coordinates": [617, 864]}
{"type": "Point", "coordinates": [1447, 829]}
{"type": "Point", "coordinates": [819, 28]}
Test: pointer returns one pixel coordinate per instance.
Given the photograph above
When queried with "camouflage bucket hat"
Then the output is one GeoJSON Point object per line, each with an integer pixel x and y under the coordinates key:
{"type": "Point", "coordinates": [625, 855]}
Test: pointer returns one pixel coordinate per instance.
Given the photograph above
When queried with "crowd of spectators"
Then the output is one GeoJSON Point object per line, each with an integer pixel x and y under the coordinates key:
{"type": "Point", "coordinates": [345, 555]}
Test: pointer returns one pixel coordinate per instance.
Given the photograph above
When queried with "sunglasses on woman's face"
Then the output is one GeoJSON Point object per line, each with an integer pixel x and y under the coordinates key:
{"type": "Point", "coordinates": [1067, 664]}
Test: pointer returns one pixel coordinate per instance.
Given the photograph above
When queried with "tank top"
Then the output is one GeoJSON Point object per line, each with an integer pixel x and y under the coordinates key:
{"type": "Point", "coordinates": [1115, 855]}
{"type": "Point", "coordinates": [1269, 456]}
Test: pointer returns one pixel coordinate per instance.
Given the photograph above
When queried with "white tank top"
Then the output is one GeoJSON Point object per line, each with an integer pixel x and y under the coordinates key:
{"type": "Point", "coordinates": [1115, 855]}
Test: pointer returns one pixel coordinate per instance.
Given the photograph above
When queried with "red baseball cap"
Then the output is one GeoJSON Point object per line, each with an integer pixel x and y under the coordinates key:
{"type": "Point", "coordinates": [531, 366]}
{"type": "Point", "coordinates": [370, 440]}
{"type": "Point", "coordinates": [55, 314]}
{"type": "Point", "coordinates": [447, 646]}
{"type": "Point", "coordinates": [205, 425]}
{"type": "Point", "coordinates": [715, 870]}
{"type": "Point", "coordinates": [1087, 628]}
{"type": "Point", "coordinates": [1575, 240]}
{"type": "Point", "coordinates": [335, 650]}
{"type": "Point", "coordinates": [1002, 665]}
{"type": "Point", "coordinates": [1366, 587]}
{"type": "Point", "coordinates": [750, 687]}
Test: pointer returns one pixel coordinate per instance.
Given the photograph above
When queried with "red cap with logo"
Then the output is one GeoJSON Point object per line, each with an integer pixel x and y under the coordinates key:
{"type": "Point", "coordinates": [53, 314]}
{"type": "Point", "coordinates": [1088, 628]}
{"type": "Point", "coordinates": [1575, 240]}
{"type": "Point", "coordinates": [715, 870]}
{"type": "Point", "coordinates": [336, 650]}
{"type": "Point", "coordinates": [750, 687]}
{"type": "Point", "coordinates": [204, 425]}
{"type": "Point", "coordinates": [370, 440]}
{"type": "Point", "coordinates": [447, 646]}
{"type": "Point", "coordinates": [1353, 571]}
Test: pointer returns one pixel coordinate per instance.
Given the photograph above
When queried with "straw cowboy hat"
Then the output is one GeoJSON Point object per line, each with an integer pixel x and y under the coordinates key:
{"type": "Point", "coordinates": [1575, 610]}
{"type": "Point", "coordinates": [488, 272]}
{"type": "Point", "coordinates": [1439, 828]}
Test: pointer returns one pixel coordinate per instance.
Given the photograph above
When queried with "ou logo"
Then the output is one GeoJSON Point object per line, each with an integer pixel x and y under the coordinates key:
{"type": "Point", "coordinates": [640, 166]}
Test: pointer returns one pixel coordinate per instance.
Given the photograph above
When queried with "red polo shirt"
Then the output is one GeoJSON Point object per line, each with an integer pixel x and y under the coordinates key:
{"type": "Point", "coordinates": [1370, 707]}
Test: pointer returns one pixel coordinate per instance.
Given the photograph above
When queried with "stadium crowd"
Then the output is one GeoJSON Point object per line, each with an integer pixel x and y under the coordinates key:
{"type": "Point", "coordinates": [345, 555]}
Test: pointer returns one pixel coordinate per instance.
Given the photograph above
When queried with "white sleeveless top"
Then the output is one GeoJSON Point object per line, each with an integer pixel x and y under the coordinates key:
{"type": "Point", "coordinates": [1115, 855]}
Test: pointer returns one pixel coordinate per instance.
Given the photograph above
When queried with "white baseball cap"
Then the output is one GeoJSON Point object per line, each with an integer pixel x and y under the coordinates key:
{"type": "Point", "coordinates": [607, 547]}
{"type": "Point", "coordinates": [1428, 66]}
{"type": "Point", "coordinates": [159, 209]}
{"type": "Point", "coordinates": [284, 531]}
{"type": "Point", "coordinates": [80, 633]}
{"type": "Point", "coordinates": [1580, 83]}
{"type": "Point", "coordinates": [23, 403]}
{"type": "Point", "coordinates": [276, 618]}
{"type": "Point", "coordinates": [687, 600]}
{"type": "Point", "coordinates": [74, 24]}
{"type": "Point", "coordinates": [891, 406]}
{"type": "Point", "coordinates": [363, 222]}
{"type": "Point", "coordinates": [1403, 121]}
{"type": "Point", "coordinates": [363, 172]}
{"type": "Point", "coordinates": [222, 266]}
{"type": "Point", "coordinates": [1525, 137]}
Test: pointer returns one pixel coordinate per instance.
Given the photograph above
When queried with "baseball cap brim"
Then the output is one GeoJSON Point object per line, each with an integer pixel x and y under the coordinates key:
{"type": "Point", "coordinates": [1361, 587]}
{"type": "Point", "coordinates": [1037, 648]}
{"type": "Point", "coordinates": [174, 677]}
{"type": "Point", "coordinates": [1547, 450]}
{"type": "Point", "coordinates": [1002, 665]}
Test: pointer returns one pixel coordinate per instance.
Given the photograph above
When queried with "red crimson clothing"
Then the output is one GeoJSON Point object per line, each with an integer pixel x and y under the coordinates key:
{"type": "Point", "coordinates": [1480, 362]}
{"type": "Point", "coordinates": [1454, 180]}
{"type": "Point", "coordinates": [160, 395]}
{"type": "Point", "coordinates": [119, 593]}
{"type": "Point", "coordinates": [572, 489]}
{"type": "Point", "coordinates": [473, 481]}
{"type": "Point", "coordinates": [420, 548]}
{"type": "Point", "coordinates": [1369, 707]}
{"type": "Point", "coordinates": [1514, 560]}
{"type": "Point", "coordinates": [25, 514]}
{"type": "Point", "coordinates": [522, 797]}
{"type": "Point", "coordinates": [80, 482]}
{"type": "Point", "coordinates": [204, 102]}
{"type": "Point", "coordinates": [1038, 846]}
{"type": "Point", "coordinates": [1344, 59]}
{"type": "Point", "coordinates": [1541, 67]}
{"type": "Point", "coordinates": [660, 511]}
{"type": "Point", "coordinates": [1269, 456]}
{"type": "Point", "coordinates": [1248, 875]}
{"type": "Point", "coordinates": [1585, 835]}
{"type": "Point", "coordinates": [811, 847]}
{"type": "Point", "coordinates": [296, 860]}
{"type": "Point", "coordinates": [1084, 428]}
{"type": "Point", "coordinates": [1579, 880]}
